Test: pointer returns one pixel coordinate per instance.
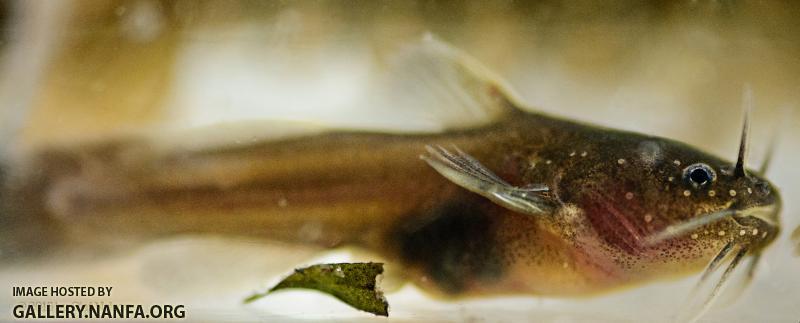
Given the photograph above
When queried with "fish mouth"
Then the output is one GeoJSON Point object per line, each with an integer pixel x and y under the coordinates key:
{"type": "Point", "coordinates": [764, 214]}
{"type": "Point", "coordinates": [763, 218]}
{"type": "Point", "coordinates": [761, 209]}
{"type": "Point", "coordinates": [746, 248]}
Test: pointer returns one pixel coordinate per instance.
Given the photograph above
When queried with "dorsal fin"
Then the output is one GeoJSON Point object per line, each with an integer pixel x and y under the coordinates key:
{"type": "Point", "coordinates": [421, 87]}
{"type": "Point", "coordinates": [443, 84]}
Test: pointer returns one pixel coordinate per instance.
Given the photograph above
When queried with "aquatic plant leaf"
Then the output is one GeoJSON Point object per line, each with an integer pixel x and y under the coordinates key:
{"type": "Point", "coordinates": [352, 283]}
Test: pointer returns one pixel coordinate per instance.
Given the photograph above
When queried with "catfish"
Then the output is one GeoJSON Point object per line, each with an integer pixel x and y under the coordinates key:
{"type": "Point", "coordinates": [520, 202]}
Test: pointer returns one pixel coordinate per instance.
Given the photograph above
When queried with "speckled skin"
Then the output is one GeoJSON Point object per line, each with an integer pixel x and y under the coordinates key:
{"type": "Point", "coordinates": [609, 190]}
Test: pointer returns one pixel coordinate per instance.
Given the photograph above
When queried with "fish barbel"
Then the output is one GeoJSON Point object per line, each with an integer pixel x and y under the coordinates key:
{"type": "Point", "coordinates": [524, 203]}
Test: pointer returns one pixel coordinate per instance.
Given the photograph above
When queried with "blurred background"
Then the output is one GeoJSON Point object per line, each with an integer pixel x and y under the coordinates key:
{"type": "Point", "coordinates": [83, 71]}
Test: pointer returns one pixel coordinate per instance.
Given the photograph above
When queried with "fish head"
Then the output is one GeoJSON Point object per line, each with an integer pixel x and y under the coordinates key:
{"type": "Point", "coordinates": [663, 199]}
{"type": "Point", "coordinates": [704, 197]}
{"type": "Point", "coordinates": [659, 208]}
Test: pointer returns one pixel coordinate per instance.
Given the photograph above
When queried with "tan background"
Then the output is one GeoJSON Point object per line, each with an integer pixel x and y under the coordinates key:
{"type": "Point", "coordinates": [82, 70]}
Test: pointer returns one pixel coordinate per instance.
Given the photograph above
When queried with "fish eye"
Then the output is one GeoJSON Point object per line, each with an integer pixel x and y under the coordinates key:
{"type": "Point", "coordinates": [699, 174]}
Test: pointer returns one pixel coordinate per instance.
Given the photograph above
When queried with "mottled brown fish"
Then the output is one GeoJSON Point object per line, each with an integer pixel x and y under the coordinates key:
{"type": "Point", "coordinates": [526, 203]}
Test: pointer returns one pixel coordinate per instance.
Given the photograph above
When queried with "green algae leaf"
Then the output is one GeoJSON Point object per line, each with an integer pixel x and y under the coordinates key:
{"type": "Point", "coordinates": [352, 283]}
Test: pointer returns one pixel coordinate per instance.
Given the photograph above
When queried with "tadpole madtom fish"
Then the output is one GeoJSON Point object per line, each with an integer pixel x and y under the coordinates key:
{"type": "Point", "coordinates": [524, 203]}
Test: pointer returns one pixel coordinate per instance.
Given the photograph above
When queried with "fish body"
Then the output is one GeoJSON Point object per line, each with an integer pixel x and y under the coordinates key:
{"type": "Point", "coordinates": [526, 203]}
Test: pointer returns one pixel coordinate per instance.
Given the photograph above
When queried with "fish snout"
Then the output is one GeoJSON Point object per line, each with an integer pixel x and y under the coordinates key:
{"type": "Point", "coordinates": [761, 201]}
{"type": "Point", "coordinates": [767, 201]}
{"type": "Point", "coordinates": [762, 188]}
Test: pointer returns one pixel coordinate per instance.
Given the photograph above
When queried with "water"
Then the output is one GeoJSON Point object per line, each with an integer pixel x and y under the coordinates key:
{"type": "Point", "coordinates": [77, 71]}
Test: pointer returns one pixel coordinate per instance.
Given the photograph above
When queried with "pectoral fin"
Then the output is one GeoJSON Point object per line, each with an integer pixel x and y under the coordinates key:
{"type": "Point", "coordinates": [467, 172]}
